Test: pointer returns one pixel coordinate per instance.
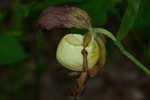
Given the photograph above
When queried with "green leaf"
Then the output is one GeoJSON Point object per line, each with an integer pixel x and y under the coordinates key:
{"type": "Point", "coordinates": [128, 19]}
{"type": "Point", "coordinates": [142, 22]}
{"type": "Point", "coordinates": [11, 50]}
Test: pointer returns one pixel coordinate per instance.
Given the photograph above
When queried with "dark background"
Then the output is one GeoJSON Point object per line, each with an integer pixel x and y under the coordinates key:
{"type": "Point", "coordinates": [28, 66]}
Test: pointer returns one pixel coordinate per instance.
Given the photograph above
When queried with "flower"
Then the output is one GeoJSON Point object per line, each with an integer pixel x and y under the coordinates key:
{"type": "Point", "coordinates": [69, 52]}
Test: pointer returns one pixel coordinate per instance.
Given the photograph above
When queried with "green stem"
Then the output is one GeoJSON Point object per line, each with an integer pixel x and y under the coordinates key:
{"type": "Point", "coordinates": [122, 49]}
{"type": "Point", "coordinates": [132, 58]}
{"type": "Point", "coordinates": [92, 32]}
{"type": "Point", "coordinates": [105, 32]}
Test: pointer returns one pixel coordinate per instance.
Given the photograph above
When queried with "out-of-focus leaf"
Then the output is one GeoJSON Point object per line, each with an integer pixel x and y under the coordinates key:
{"type": "Point", "coordinates": [64, 17]}
{"type": "Point", "coordinates": [97, 10]}
{"type": "Point", "coordinates": [10, 50]}
{"type": "Point", "coordinates": [142, 23]}
{"type": "Point", "coordinates": [149, 52]}
{"type": "Point", "coordinates": [26, 9]}
{"type": "Point", "coordinates": [128, 19]}
{"type": "Point", "coordinates": [19, 13]}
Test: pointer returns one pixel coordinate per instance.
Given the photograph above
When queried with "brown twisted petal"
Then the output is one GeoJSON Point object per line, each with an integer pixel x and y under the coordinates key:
{"type": "Point", "coordinates": [64, 17]}
{"type": "Point", "coordinates": [102, 59]}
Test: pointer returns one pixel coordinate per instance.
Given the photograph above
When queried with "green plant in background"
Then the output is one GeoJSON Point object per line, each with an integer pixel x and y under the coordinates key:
{"type": "Point", "coordinates": [142, 21]}
{"type": "Point", "coordinates": [12, 49]}
{"type": "Point", "coordinates": [128, 19]}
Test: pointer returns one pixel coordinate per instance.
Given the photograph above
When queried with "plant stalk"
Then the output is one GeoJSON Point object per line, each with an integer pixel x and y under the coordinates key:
{"type": "Point", "coordinates": [120, 46]}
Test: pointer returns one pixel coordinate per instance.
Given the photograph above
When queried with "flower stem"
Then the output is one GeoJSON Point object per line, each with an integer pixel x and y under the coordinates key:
{"type": "Point", "coordinates": [122, 49]}
{"type": "Point", "coordinates": [132, 58]}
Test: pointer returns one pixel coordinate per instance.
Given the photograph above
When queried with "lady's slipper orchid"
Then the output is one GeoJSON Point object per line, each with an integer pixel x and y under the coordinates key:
{"type": "Point", "coordinates": [69, 52]}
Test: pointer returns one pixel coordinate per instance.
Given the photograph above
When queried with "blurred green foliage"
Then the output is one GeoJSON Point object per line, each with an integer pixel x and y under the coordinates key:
{"type": "Point", "coordinates": [128, 18]}
{"type": "Point", "coordinates": [11, 51]}
{"type": "Point", "coordinates": [142, 23]}
{"type": "Point", "coordinates": [2, 16]}
{"type": "Point", "coordinates": [97, 9]}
